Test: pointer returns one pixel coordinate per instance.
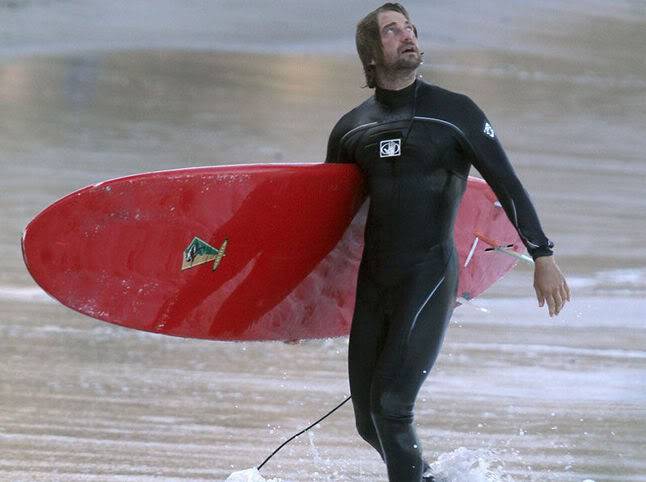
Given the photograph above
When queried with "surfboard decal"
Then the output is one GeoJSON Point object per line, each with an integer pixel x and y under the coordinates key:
{"type": "Point", "coordinates": [199, 252]}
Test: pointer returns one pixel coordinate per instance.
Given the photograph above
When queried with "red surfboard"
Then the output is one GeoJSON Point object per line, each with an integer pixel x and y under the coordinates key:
{"type": "Point", "coordinates": [244, 252]}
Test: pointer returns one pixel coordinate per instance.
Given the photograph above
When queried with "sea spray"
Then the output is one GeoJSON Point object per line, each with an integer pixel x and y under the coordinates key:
{"type": "Point", "coordinates": [249, 475]}
{"type": "Point", "coordinates": [465, 465]}
{"type": "Point", "coordinates": [315, 452]}
{"type": "Point", "coordinates": [461, 465]}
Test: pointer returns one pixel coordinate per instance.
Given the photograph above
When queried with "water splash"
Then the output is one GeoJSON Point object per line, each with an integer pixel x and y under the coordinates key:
{"type": "Point", "coordinates": [461, 465]}
{"type": "Point", "coordinates": [315, 452]}
{"type": "Point", "coordinates": [249, 475]}
{"type": "Point", "coordinates": [465, 465]}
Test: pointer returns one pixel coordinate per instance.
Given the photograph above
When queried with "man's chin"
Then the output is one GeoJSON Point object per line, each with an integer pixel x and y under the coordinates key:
{"type": "Point", "coordinates": [409, 62]}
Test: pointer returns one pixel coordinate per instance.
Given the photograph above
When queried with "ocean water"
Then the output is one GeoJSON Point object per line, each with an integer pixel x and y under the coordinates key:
{"type": "Point", "coordinates": [90, 91]}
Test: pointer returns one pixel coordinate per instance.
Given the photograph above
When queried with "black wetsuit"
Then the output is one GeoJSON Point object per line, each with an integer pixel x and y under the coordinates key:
{"type": "Point", "coordinates": [415, 147]}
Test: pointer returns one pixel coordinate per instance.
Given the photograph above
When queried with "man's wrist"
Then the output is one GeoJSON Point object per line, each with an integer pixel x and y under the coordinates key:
{"type": "Point", "coordinates": [542, 252]}
{"type": "Point", "coordinates": [544, 259]}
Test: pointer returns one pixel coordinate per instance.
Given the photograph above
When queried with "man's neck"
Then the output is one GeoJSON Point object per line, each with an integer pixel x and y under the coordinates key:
{"type": "Point", "coordinates": [395, 80]}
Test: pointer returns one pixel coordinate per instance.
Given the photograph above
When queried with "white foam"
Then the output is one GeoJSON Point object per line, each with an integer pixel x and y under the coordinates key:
{"type": "Point", "coordinates": [583, 311]}
{"type": "Point", "coordinates": [461, 465]}
{"type": "Point", "coordinates": [514, 72]}
{"type": "Point", "coordinates": [533, 350]}
{"type": "Point", "coordinates": [249, 475]}
{"type": "Point", "coordinates": [465, 465]}
{"type": "Point", "coordinates": [31, 294]}
{"type": "Point", "coordinates": [628, 279]}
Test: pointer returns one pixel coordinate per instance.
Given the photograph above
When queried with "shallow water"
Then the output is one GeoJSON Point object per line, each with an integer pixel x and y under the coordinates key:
{"type": "Point", "coordinates": [89, 92]}
{"type": "Point", "coordinates": [550, 399]}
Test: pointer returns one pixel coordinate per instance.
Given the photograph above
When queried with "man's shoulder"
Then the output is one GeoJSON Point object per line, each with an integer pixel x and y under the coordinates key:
{"type": "Point", "coordinates": [454, 107]}
{"type": "Point", "coordinates": [443, 95]}
{"type": "Point", "coordinates": [355, 115]}
{"type": "Point", "coordinates": [353, 118]}
{"type": "Point", "coordinates": [348, 121]}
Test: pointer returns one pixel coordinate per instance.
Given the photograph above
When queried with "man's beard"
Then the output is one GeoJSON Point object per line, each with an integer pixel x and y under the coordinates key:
{"type": "Point", "coordinates": [403, 65]}
{"type": "Point", "coordinates": [409, 62]}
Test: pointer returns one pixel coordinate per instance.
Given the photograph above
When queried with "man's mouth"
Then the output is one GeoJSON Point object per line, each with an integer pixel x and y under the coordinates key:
{"type": "Point", "coordinates": [409, 50]}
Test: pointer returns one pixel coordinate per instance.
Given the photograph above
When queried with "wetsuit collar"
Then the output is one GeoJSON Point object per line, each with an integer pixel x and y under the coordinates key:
{"type": "Point", "coordinates": [396, 98]}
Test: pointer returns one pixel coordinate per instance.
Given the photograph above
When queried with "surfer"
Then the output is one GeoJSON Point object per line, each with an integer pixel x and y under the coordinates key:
{"type": "Point", "coordinates": [415, 143]}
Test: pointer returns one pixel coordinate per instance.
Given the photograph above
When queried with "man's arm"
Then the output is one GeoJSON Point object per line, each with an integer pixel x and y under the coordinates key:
{"type": "Point", "coordinates": [492, 162]}
{"type": "Point", "coordinates": [334, 144]}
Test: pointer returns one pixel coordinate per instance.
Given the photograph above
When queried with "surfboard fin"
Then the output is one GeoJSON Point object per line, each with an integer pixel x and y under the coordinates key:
{"type": "Point", "coordinates": [503, 248]}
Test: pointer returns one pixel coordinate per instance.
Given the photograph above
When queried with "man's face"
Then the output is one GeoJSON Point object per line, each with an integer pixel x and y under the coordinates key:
{"type": "Point", "coordinates": [399, 43]}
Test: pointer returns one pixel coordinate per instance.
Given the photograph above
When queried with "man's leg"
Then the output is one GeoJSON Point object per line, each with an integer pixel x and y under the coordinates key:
{"type": "Point", "coordinates": [366, 342]}
{"type": "Point", "coordinates": [423, 306]}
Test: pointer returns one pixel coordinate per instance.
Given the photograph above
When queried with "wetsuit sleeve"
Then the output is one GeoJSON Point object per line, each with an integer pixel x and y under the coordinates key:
{"type": "Point", "coordinates": [492, 162]}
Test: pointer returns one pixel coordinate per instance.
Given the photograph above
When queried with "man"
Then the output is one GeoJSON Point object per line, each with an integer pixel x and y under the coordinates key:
{"type": "Point", "coordinates": [415, 143]}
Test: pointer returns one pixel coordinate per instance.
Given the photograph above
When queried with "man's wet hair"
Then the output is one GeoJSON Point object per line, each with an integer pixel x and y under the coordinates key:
{"type": "Point", "coordinates": [368, 39]}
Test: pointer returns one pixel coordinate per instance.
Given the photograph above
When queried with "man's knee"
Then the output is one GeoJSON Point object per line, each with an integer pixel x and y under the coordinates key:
{"type": "Point", "coordinates": [390, 405]}
{"type": "Point", "coordinates": [366, 428]}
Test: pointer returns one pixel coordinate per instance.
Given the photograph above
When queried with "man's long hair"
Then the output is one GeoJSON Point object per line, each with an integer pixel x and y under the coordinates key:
{"type": "Point", "coordinates": [368, 39]}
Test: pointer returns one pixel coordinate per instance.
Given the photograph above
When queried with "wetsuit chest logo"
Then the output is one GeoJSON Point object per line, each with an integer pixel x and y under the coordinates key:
{"type": "Point", "coordinates": [390, 148]}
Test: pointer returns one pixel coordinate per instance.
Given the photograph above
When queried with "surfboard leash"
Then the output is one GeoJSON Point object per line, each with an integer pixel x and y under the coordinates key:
{"type": "Point", "coordinates": [304, 430]}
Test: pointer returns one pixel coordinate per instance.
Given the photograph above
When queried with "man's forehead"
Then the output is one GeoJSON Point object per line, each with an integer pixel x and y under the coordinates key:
{"type": "Point", "coordinates": [390, 16]}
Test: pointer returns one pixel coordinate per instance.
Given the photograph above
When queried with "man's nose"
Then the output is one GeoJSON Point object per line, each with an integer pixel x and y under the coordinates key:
{"type": "Point", "coordinates": [407, 35]}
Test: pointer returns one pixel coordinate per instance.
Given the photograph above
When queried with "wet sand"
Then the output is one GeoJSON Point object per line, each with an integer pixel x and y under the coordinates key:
{"type": "Point", "coordinates": [533, 399]}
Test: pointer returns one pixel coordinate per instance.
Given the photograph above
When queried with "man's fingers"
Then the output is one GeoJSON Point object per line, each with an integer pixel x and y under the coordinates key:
{"type": "Point", "coordinates": [558, 301]}
{"type": "Point", "coordinates": [551, 304]}
{"type": "Point", "coordinates": [567, 289]}
{"type": "Point", "coordinates": [540, 297]}
{"type": "Point", "coordinates": [565, 293]}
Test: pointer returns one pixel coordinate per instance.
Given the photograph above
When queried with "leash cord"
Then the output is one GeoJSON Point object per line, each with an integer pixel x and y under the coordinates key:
{"type": "Point", "coordinates": [304, 430]}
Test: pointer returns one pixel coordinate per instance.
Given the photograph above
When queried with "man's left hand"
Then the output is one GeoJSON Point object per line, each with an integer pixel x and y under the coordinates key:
{"type": "Point", "coordinates": [550, 284]}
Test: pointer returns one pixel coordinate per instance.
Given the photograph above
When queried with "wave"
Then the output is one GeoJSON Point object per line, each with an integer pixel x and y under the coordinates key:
{"type": "Point", "coordinates": [25, 294]}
